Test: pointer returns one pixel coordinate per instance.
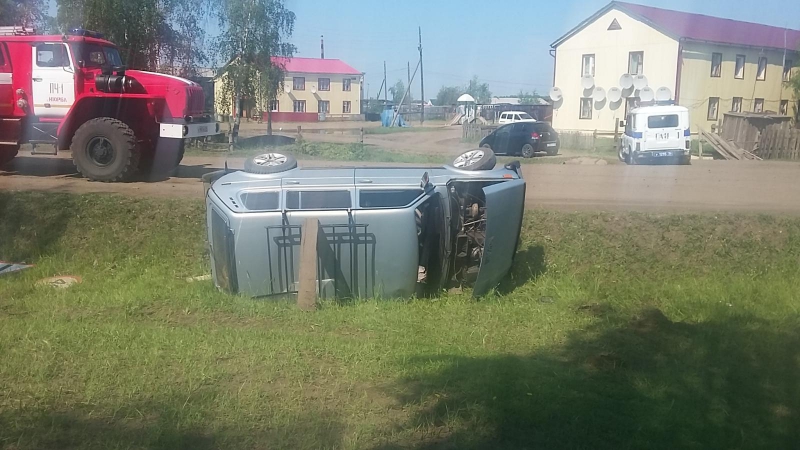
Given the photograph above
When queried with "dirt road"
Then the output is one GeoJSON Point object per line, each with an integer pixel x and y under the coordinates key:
{"type": "Point", "coordinates": [706, 186]}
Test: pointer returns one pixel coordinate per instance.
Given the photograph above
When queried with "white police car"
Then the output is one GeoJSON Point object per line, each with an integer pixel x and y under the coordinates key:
{"type": "Point", "coordinates": [656, 134]}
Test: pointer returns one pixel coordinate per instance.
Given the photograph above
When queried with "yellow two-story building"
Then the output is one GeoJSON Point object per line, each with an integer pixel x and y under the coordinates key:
{"type": "Point", "coordinates": [314, 89]}
{"type": "Point", "coordinates": [708, 64]}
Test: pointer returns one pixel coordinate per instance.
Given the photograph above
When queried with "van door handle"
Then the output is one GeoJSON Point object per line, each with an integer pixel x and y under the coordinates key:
{"type": "Point", "coordinates": [37, 79]}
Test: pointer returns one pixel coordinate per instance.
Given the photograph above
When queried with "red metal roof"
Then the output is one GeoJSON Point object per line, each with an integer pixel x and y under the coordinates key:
{"type": "Point", "coordinates": [700, 27]}
{"type": "Point", "coordinates": [314, 65]}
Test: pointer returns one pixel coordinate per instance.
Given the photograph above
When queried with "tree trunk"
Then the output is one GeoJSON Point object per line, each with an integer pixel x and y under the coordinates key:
{"type": "Point", "coordinates": [269, 120]}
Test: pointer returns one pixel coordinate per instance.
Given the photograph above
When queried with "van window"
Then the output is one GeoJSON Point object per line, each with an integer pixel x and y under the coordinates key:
{"type": "Point", "coordinates": [665, 121]}
{"type": "Point", "coordinates": [261, 201]}
{"type": "Point", "coordinates": [318, 200]}
{"type": "Point", "coordinates": [395, 198]}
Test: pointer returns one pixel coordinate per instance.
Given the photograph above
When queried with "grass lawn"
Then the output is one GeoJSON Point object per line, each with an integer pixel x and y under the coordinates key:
{"type": "Point", "coordinates": [614, 331]}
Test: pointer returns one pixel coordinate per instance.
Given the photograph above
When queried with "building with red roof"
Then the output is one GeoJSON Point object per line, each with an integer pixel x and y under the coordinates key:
{"type": "Point", "coordinates": [709, 64]}
{"type": "Point", "coordinates": [314, 89]}
{"type": "Point", "coordinates": [318, 89]}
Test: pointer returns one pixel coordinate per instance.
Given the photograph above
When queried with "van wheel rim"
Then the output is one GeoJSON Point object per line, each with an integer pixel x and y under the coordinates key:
{"type": "Point", "coordinates": [468, 159]}
{"type": "Point", "coordinates": [270, 159]}
{"type": "Point", "coordinates": [100, 151]}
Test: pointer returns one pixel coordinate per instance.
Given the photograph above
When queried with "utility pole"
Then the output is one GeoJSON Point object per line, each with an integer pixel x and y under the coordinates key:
{"type": "Point", "coordinates": [408, 68]}
{"type": "Point", "coordinates": [385, 91]}
{"type": "Point", "coordinates": [421, 80]}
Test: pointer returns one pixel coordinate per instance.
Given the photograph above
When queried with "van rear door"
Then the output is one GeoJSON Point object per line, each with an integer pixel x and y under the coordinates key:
{"type": "Point", "coordinates": [663, 132]}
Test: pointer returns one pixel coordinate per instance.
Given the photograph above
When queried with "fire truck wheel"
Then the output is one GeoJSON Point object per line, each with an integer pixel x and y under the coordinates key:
{"type": "Point", "coordinates": [163, 157]}
{"type": "Point", "coordinates": [104, 149]}
{"type": "Point", "coordinates": [7, 153]}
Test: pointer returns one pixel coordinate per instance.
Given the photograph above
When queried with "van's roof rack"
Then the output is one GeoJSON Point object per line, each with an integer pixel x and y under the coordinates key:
{"type": "Point", "coordinates": [16, 30]}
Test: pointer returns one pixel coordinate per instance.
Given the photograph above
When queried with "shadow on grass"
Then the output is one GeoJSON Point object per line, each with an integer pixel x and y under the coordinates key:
{"type": "Point", "coordinates": [159, 426]}
{"type": "Point", "coordinates": [644, 383]}
{"type": "Point", "coordinates": [32, 223]}
{"type": "Point", "coordinates": [529, 264]}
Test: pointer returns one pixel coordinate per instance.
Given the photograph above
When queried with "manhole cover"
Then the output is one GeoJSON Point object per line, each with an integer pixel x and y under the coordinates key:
{"type": "Point", "coordinates": [59, 282]}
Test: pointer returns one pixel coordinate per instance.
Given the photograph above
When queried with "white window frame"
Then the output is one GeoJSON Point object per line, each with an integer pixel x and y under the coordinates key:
{"type": "Point", "coordinates": [588, 64]}
{"type": "Point", "coordinates": [297, 103]}
{"type": "Point", "coordinates": [718, 72]}
{"type": "Point", "coordinates": [736, 104]}
{"type": "Point", "coordinates": [740, 68]}
{"type": "Point", "coordinates": [641, 63]}
{"type": "Point", "coordinates": [581, 114]}
{"type": "Point", "coordinates": [349, 108]}
{"type": "Point", "coordinates": [756, 103]}
{"type": "Point", "coordinates": [713, 109]}
{"type": "Point", "coordinates": [761, 72]}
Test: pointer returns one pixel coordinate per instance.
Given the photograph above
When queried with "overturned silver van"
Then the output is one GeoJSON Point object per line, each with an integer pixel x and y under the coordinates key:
{"type": "Point", "coordinates": [389, 231]}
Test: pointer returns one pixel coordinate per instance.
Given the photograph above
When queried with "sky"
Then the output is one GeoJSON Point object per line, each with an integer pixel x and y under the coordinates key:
{"type": "Point", "coordinates": [504, 43]}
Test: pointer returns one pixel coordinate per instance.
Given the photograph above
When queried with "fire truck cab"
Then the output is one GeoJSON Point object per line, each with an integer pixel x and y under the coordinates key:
{"type": "Point", "coordinates": [72, 92]}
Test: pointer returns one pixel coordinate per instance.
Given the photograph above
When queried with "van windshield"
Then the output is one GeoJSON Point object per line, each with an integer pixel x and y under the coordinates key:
{"type": "Point", "coordinates": [665, 121]}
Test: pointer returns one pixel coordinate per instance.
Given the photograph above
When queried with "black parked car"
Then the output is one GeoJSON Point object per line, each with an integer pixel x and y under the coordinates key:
{"type": "Point", "coordinates": [523, 138]}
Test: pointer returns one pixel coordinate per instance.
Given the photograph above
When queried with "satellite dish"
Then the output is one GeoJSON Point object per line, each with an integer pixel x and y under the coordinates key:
{"type": "Point", "coordinates": [640, 82]}
{"type": "Point", "coordinates": [288, 89]}
{"type": "Point", "coordinates": [313, 90]}
{"type": "Point", "coordinates": [614, 94]}
{"type": "Point", "coordinates": [556, 94]}
{"type": "Point", "coordinates": [626, 81]}
{"type": "Point", "coordinates": [647, 94]}
{"type": "Point", "coordinates": [663, 94]}
{"type": "Point", "coordinates": [599, 94]}
{"type": "Point", "coordinates": [587, 82]}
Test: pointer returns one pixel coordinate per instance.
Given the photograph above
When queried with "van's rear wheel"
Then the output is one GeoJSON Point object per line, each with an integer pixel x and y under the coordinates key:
{"type": "Point", "coordinates": [104, 149]}
{"type": "Point", "coordinates": [7, 153]}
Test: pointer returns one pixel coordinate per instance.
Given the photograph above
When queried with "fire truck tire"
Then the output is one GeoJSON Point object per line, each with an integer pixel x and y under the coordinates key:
{"type": "Point", "coordinates": [163, 157]}
{"type": "Point", "coordinates": [7, 153]}
{"type": "Point", "coordinates": [104, 149]}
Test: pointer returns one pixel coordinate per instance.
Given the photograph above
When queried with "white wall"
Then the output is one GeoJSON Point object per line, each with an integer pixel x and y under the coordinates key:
{"type": "Point", "coordinates": [611, 49]}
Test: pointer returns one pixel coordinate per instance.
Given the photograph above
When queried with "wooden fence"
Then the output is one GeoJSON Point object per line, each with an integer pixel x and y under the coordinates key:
{"type": "Point", "coordinates": [779, 141]}
{"type": "Point", "coordinates": [473, 132]}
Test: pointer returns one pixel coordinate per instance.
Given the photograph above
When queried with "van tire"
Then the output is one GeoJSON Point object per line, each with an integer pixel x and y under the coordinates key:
{"type": "Point", "coordinates": [7, 153]}
{"type": "Point", "coordinates": [267, 163]}
{"type": "Point", "coordinates": [102, 138]}
{"type": "Point", "coordinates": [472, 161]}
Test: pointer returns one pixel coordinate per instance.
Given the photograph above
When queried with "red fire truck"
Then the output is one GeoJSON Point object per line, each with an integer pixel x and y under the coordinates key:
{"type": "Point", "coordinates": [72, 92]}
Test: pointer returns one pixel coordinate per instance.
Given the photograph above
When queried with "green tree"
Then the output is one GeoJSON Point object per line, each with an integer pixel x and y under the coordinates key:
{"type": "Point", "coordinates": [159, 35]}
{"type": "Point", "coordinates": [794, 84]}
{"type": "Point", "coordinates": [528, 98]}
{"type": "Point", "coordinates": [254, 32]}
{"type": "Point", "coordinates": [448, 95]}
{"type": "Point", "coordinates": [397, 92]}
{"type": "Point", "coordinates": [28, 13]}
{"type": "Point", "coordinates": [479, 91]}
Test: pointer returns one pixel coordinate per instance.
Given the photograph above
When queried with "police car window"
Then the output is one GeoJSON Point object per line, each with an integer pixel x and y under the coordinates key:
{"type": "Point", "coordinates": [51, 55]}
{"type": "Point", "coordinates": [388, 198]}
{"type": "Point", "coordinates": [261, 201]}
{"type": "Point", "coordinates": [665, 121]}
{"type": "Point", "coordinates": [318, 200]}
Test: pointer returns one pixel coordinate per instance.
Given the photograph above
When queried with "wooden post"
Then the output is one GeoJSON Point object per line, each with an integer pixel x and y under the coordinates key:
{"type": "Point", "coordinates": [299, 131]}
{"type": "Point", "coordinates": [594, 141]}
{"type": "Point", "coordinates": [362, 135]}
{"type": "Point", "coordinates": [307, 276]}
